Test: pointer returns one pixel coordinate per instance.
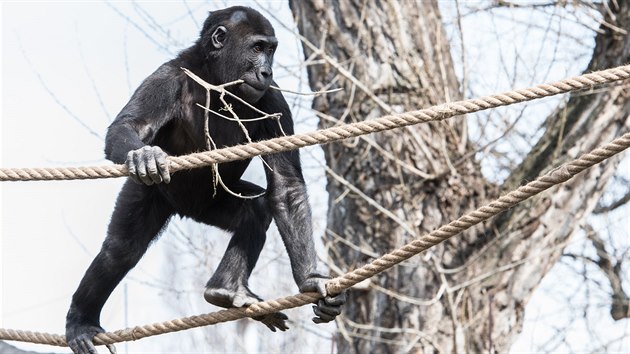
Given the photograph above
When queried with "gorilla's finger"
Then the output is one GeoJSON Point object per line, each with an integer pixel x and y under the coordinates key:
{"type": "Point", "coordinates": [324, 317]}
{"type": "Point", "coordinates": [151, 156]}
{"type": "Point", "coordinates": [146, 165]}
{"type": "Point", "coordinates": [282, 326]}
{"type": "Point", "coordinates": [330, 310]}
{"type": "Point", "coordinates": [141, 166]}
{"type": "Point", "coordinates": [274, 321]}
{"type": "Point", "coordinates": [111, 348]}
{"type": "Point", "coordinates": [131, 167]}
{"type": "Point", "coordinates": [82, 346]}
{"type": "Point", "coordinates": [318, 320]}
{"type": "Point", "coordinates": [163, 165]}
{"type": "Point", "coordinates": [152, 169]}
{"type": "Point", "coordinates": [242, 299]}
{"type": "Point", "coordinates": [316, 283]}
{"type": "Point", "coordinates": [336, 300]}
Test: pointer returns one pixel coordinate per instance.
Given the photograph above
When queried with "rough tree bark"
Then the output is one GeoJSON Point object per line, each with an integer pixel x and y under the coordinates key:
{"type": "Point", "coordinates": [468, 294]}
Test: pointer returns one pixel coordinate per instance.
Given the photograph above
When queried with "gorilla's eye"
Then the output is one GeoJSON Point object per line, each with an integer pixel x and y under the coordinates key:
{"type": "Point", "coordinates": [258, 48]}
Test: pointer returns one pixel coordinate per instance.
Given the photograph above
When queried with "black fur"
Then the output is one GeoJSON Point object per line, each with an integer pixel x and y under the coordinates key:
{"type": "Point", "coordinates": [162, 118]}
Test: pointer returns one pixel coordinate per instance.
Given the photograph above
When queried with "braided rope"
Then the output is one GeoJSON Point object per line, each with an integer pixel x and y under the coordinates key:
{"type": "Point", "coordinates": [542, 183]}
{"type": "Point", "coordinates": [241, 152]}
{"type": "Point", "coordinates": [554, 177]}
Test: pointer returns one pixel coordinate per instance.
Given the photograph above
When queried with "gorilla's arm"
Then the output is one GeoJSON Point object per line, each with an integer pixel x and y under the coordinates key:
{"type": "Point", "coordinates": [287, 198]}
{"type": "Point", "coordinates": [288, 201]}
{"type": "Point", "coordinates": [153, 104]}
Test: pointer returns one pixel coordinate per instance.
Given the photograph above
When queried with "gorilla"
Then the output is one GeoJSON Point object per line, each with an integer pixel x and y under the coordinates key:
{"type": "Point", "coordinates": [162, 118]}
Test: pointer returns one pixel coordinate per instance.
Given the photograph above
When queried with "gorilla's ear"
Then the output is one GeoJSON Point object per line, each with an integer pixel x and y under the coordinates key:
{"type": "Point", "coordinates": [218, 37]}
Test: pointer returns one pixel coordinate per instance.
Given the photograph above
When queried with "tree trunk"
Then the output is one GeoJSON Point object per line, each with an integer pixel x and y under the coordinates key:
{"type": "Point", "coordinates": [467, 294]}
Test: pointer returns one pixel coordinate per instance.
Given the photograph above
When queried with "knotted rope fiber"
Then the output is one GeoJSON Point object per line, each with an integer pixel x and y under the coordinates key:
{"type": "Point", "coordinates": [554, 177]}
{"type": "Point", "coordinates": [324, 136]}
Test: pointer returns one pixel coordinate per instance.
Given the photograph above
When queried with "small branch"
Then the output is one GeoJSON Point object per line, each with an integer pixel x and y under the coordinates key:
{"type": "Point", "coordinates": [601, 209]}
{"type": "Point", "coordinates": [316, 93]}
{"type": "Point", "coordinates": [620, 308]}
{"type": "Point", "coordinates": [372, 202]}
{"type": "Point", "coordinates": [210, 145]}
{"type": "Point", "coordinates": [267, 116]}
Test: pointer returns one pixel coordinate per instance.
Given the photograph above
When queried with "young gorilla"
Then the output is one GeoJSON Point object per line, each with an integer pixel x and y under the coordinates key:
{"type": "Point", "coordinates": [162, 118]}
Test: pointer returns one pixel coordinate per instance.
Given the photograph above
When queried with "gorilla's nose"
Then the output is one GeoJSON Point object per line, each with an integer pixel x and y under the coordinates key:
{"type": "Point", "coordinates": [265, 73]}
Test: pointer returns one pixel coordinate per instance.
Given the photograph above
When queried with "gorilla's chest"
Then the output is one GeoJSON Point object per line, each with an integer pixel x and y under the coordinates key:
{"type": "Point", "coordinates": [185, 135]}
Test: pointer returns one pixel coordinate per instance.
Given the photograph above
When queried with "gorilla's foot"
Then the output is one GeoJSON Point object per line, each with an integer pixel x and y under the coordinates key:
{"type": "Point", "coordinates": [243, 297]}
{"type": "Point", "coordinates": [230, 298]}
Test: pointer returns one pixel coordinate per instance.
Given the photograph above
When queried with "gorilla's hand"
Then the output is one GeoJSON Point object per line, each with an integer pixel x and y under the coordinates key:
{"type": "Point", "coordinates": [330, 306]}
{"type": "Point", "coordinates": [80, 336]}
{"type": "Point", "coordinates": [148, 165]}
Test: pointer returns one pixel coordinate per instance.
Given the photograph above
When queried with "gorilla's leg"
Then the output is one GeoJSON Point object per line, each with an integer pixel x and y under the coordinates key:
{"type": "Point", "coordinates": [249, 220]}
{"type": "Point", "coordinates": [139, 215]}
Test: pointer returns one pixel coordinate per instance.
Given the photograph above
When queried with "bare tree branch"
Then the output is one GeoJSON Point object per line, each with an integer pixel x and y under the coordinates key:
{"type": "Point", "coordinates": [611, 267]}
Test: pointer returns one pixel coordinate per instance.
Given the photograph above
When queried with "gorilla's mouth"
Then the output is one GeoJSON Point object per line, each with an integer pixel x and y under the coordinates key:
{"type": "Point", "coordinates": [256, 86]}
{"type": "Point", "coordinates": [252, 91]}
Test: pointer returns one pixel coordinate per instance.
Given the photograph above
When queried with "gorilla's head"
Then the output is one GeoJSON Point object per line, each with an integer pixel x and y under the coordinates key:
{"type": "Point", "coordinates": [240, 43]}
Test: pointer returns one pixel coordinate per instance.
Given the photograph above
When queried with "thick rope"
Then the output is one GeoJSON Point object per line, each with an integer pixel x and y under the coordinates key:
{"type": "Point", "coordinates": [542, 183]}
{"type": "Point", "coordinates": [387, 261]}
{"type": "Point", "coordinates": [553, 177]}
{"type": "Point", "coordinates": [241, 152]}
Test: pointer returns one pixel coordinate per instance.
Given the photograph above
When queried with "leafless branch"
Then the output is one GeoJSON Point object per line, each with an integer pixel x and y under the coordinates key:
{"type": "Point", "coordinates": [611, 267]}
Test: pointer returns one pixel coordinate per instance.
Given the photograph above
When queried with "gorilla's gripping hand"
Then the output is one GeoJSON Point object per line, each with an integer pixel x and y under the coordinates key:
{"type": "Point", "coordinates": [330, 306]}
{"type": "Point", "coordinates": [148, 165]}
{"type": "Point", "coordinates": [80, 339]}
